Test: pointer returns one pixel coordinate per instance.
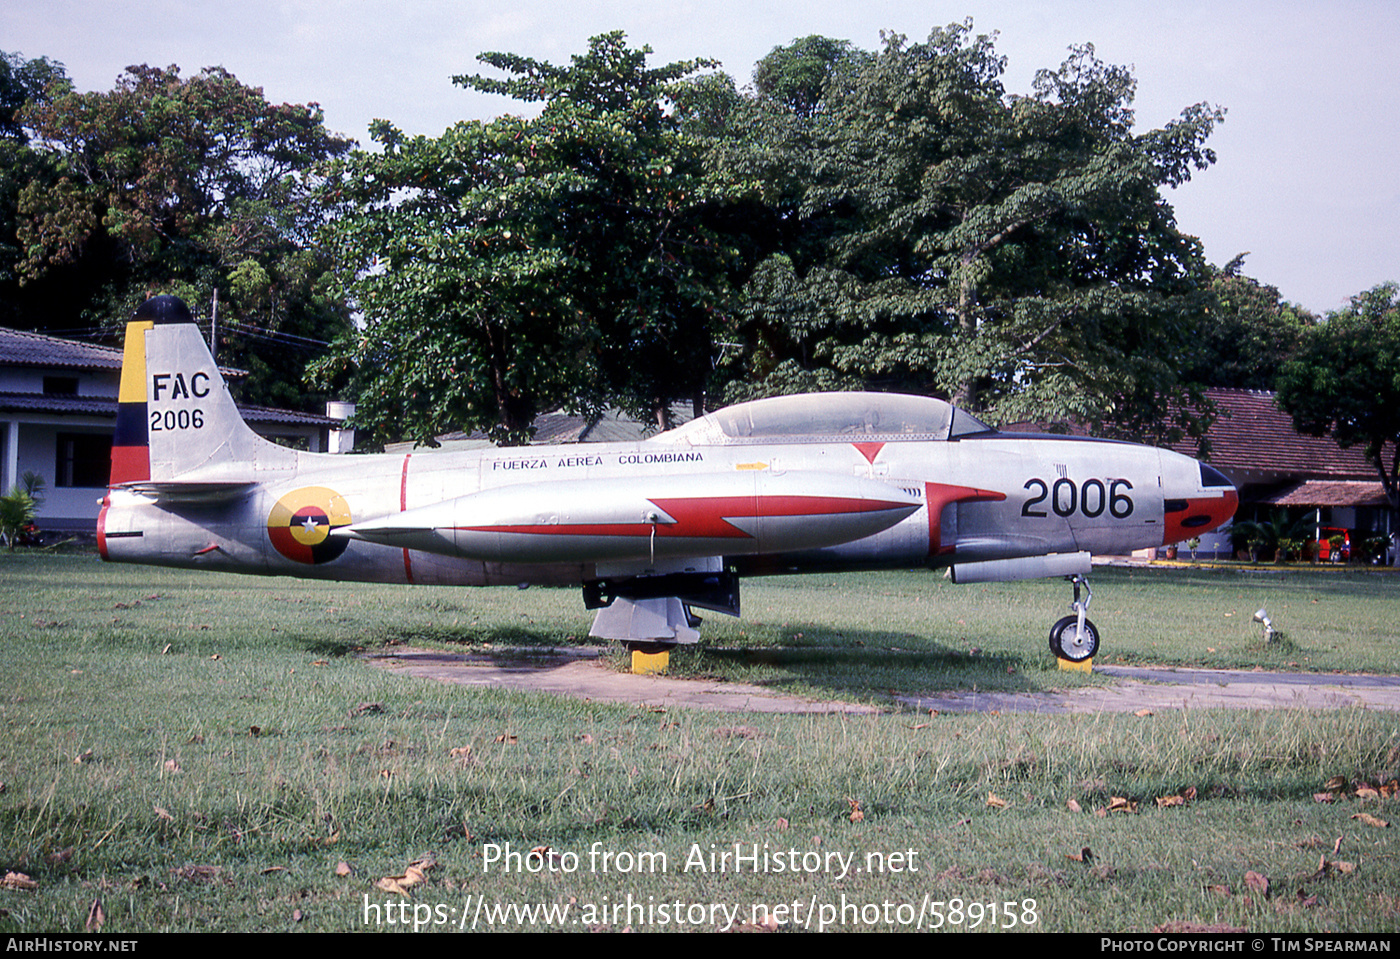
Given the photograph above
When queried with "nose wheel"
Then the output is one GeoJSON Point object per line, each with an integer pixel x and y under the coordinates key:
{"type": "Point", "coordinates": [1075, 638]}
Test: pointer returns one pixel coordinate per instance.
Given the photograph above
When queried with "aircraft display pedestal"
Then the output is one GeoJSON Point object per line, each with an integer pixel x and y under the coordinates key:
{"type": "Point", "coordinates": [649, 664]}
{"type": "Point", "coordinates": [1083, 666]}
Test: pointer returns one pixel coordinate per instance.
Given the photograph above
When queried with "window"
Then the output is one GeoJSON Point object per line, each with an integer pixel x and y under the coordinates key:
{"type": "Point", "coordinates": [84, 459]}
{"type": "Point", "coordinates": [60, 386]}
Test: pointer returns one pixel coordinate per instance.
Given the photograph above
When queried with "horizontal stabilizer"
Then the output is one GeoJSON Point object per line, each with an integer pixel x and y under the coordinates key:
{"type": "Point", "coordinates": [194, 492]}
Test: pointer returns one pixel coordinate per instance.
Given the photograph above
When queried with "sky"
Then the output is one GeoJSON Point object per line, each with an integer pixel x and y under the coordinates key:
{"type": "Point", "coordinates": [1305, 180]}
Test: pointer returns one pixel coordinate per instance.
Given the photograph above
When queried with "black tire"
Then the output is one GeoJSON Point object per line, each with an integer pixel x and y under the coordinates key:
{"type": "Point", "coordinates": [1066, 642]}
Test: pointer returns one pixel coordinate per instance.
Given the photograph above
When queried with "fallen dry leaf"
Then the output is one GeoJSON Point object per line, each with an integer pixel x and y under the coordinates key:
{"type": "Point", "coordinates": [163, 814]}
{"type": "Point", "coordinates": [1084, 855]}
{"type": "Point", "coordinates": [782, 823]}
{"type": "Point", "coordinates": [1073, 806]}
{"type": "Point", "coordinates": [342, 869]}
{"type": "Point", "coordinates": [1219, 890]}
{"type": "Point", "coordinates": [857, 815]}
{"type": "Point", "coordinates": [171, 766]}
{"type": "Point", "coordinates": [1370, 820]}
{"type": "Point", "coordinates": [507, 738]}
{"type": "Point", "coordinates": [1324, 797]}
{"type": "Point", "coordinates": [1335, 784]}
{"type": "Point", "coordinates": [18, 880]}
{"type": "Point", "coordinates": [1257, 882]}
{"type": "Point", "coordinates": [415, 874]}
{"type": "Point", "coordinates": [1143, 712]}
{"type": "Point", "coordinates": [198, 873]}
{"type": "Point", "coordinates": [1122, 804]}
{"type": "Point", "coordinates": [1366, 792]}
{"type": "Point", "coordinates": [1164, 801]}
{"type": "Point", "coordinates": [83, 757]}
{"type": "Point", "coordinates": [995, 801]}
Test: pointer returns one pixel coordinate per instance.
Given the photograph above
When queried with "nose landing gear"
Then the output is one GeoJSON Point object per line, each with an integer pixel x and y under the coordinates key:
{"type": "Point", "coordinates": [1074, 638]}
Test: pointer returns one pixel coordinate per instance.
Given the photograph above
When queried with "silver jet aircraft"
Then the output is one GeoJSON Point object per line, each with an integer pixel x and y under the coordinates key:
{"type": "Point", "coordinates": [794, 484]}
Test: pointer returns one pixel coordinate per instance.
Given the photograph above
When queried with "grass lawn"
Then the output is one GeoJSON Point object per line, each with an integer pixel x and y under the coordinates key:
{"type": "Point", "coordinates": [194, 752]}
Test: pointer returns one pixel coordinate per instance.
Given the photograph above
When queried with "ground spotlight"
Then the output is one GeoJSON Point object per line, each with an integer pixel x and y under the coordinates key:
{"type": "Point", "coordinates": [1269, 632]}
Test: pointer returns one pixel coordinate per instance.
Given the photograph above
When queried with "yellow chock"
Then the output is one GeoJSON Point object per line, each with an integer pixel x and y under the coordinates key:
{"type": "Point", "coordinates": [650, 664]}
{"type": "Point", "coordinates": [1083, 666]}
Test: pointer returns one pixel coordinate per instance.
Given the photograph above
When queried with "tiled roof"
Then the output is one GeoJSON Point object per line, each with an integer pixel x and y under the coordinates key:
{"type": "Point", "coordinates": [268, 414]}
{"type": "Point", "coordinates": [1253, 434]}
{"type": "Point", "coordinates": [21, 348]}
{"type": "Point", "coordinates": [100, 406]}
{"type": "Point", "coordinates": [1313, 493]}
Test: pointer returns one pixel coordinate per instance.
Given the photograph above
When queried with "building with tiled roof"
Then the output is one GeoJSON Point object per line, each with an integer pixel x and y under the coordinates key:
{"type": "Point", "coordinates": [58, 408]}
{"type": "Point", "coordinates": [1253, 442]}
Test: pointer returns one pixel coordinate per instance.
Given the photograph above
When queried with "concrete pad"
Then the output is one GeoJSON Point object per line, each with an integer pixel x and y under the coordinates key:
{"type": "Point", "coordinates": [576, 672]}
{"type": "Point", "coordinates": [1164, 688]}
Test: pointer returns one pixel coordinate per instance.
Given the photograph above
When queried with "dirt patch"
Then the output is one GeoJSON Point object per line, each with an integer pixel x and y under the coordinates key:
{"type": "Point", "coordinates": [577, 672]}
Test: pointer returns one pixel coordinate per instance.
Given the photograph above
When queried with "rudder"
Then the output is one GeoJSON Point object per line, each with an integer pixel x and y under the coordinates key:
{"type": "Point", "coordinates": [176, 419]}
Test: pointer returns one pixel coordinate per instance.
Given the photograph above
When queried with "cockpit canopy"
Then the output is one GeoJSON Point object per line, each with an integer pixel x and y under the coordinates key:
{"type": "Point", "coordinates": [829, 417]}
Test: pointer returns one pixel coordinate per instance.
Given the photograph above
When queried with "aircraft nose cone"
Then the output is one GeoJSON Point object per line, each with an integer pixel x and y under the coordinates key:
{"type": "Point", "coordinates": [1211, 505]}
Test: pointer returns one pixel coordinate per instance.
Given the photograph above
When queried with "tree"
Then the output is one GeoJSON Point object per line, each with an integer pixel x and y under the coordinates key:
{"type": "Point", "coordinates": [22, 82]}
{"type": "Point", "coordinates": [521, 265]}
{"type": "Point", "coordinates": [1344, 381]}
{"type": "Point", "coordinates": [1011, 252]}
{"type": "Point", "coordinates": [185, 185]}
{"type": "Point", "coordinates": [1248, 332]}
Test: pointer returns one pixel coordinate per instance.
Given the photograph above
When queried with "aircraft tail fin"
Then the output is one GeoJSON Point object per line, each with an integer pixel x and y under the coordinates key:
{"type": "Point", "coordinates": [176, 420]}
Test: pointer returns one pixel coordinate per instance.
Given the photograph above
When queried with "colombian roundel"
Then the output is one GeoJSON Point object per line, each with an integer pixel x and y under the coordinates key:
{"type": "Point", "coordinates": [300, 525]}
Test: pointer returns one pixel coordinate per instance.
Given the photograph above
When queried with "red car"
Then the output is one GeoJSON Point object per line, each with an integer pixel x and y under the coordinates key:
{"type": "Point", "coordinates": [1324, 545]}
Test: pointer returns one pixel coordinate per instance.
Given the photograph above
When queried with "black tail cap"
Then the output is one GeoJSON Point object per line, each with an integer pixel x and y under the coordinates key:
{"type": "Point", "coordinates": [164, 309]}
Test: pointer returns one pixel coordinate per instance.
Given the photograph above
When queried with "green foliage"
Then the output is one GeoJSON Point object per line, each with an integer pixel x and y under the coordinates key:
{"type": "Point", "coordinates": [935, 234]}
{"type": "Point", "coordinates": [521, 265]}
{"type": "Point", "coordinates": [23, 82]}
{"type": "Point", "coordinates": [1344, 381]}
{"type": "Point", "coordinates": [183, 184]}
{"type": "Point", "coordinates": [1276, 536]}
{"type": "Point", "coordinates": [17, 510]}
{"type": "Point", "coordinates": [796, 75]}
{"type": "Point", "coordinates": [1247, 334]}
